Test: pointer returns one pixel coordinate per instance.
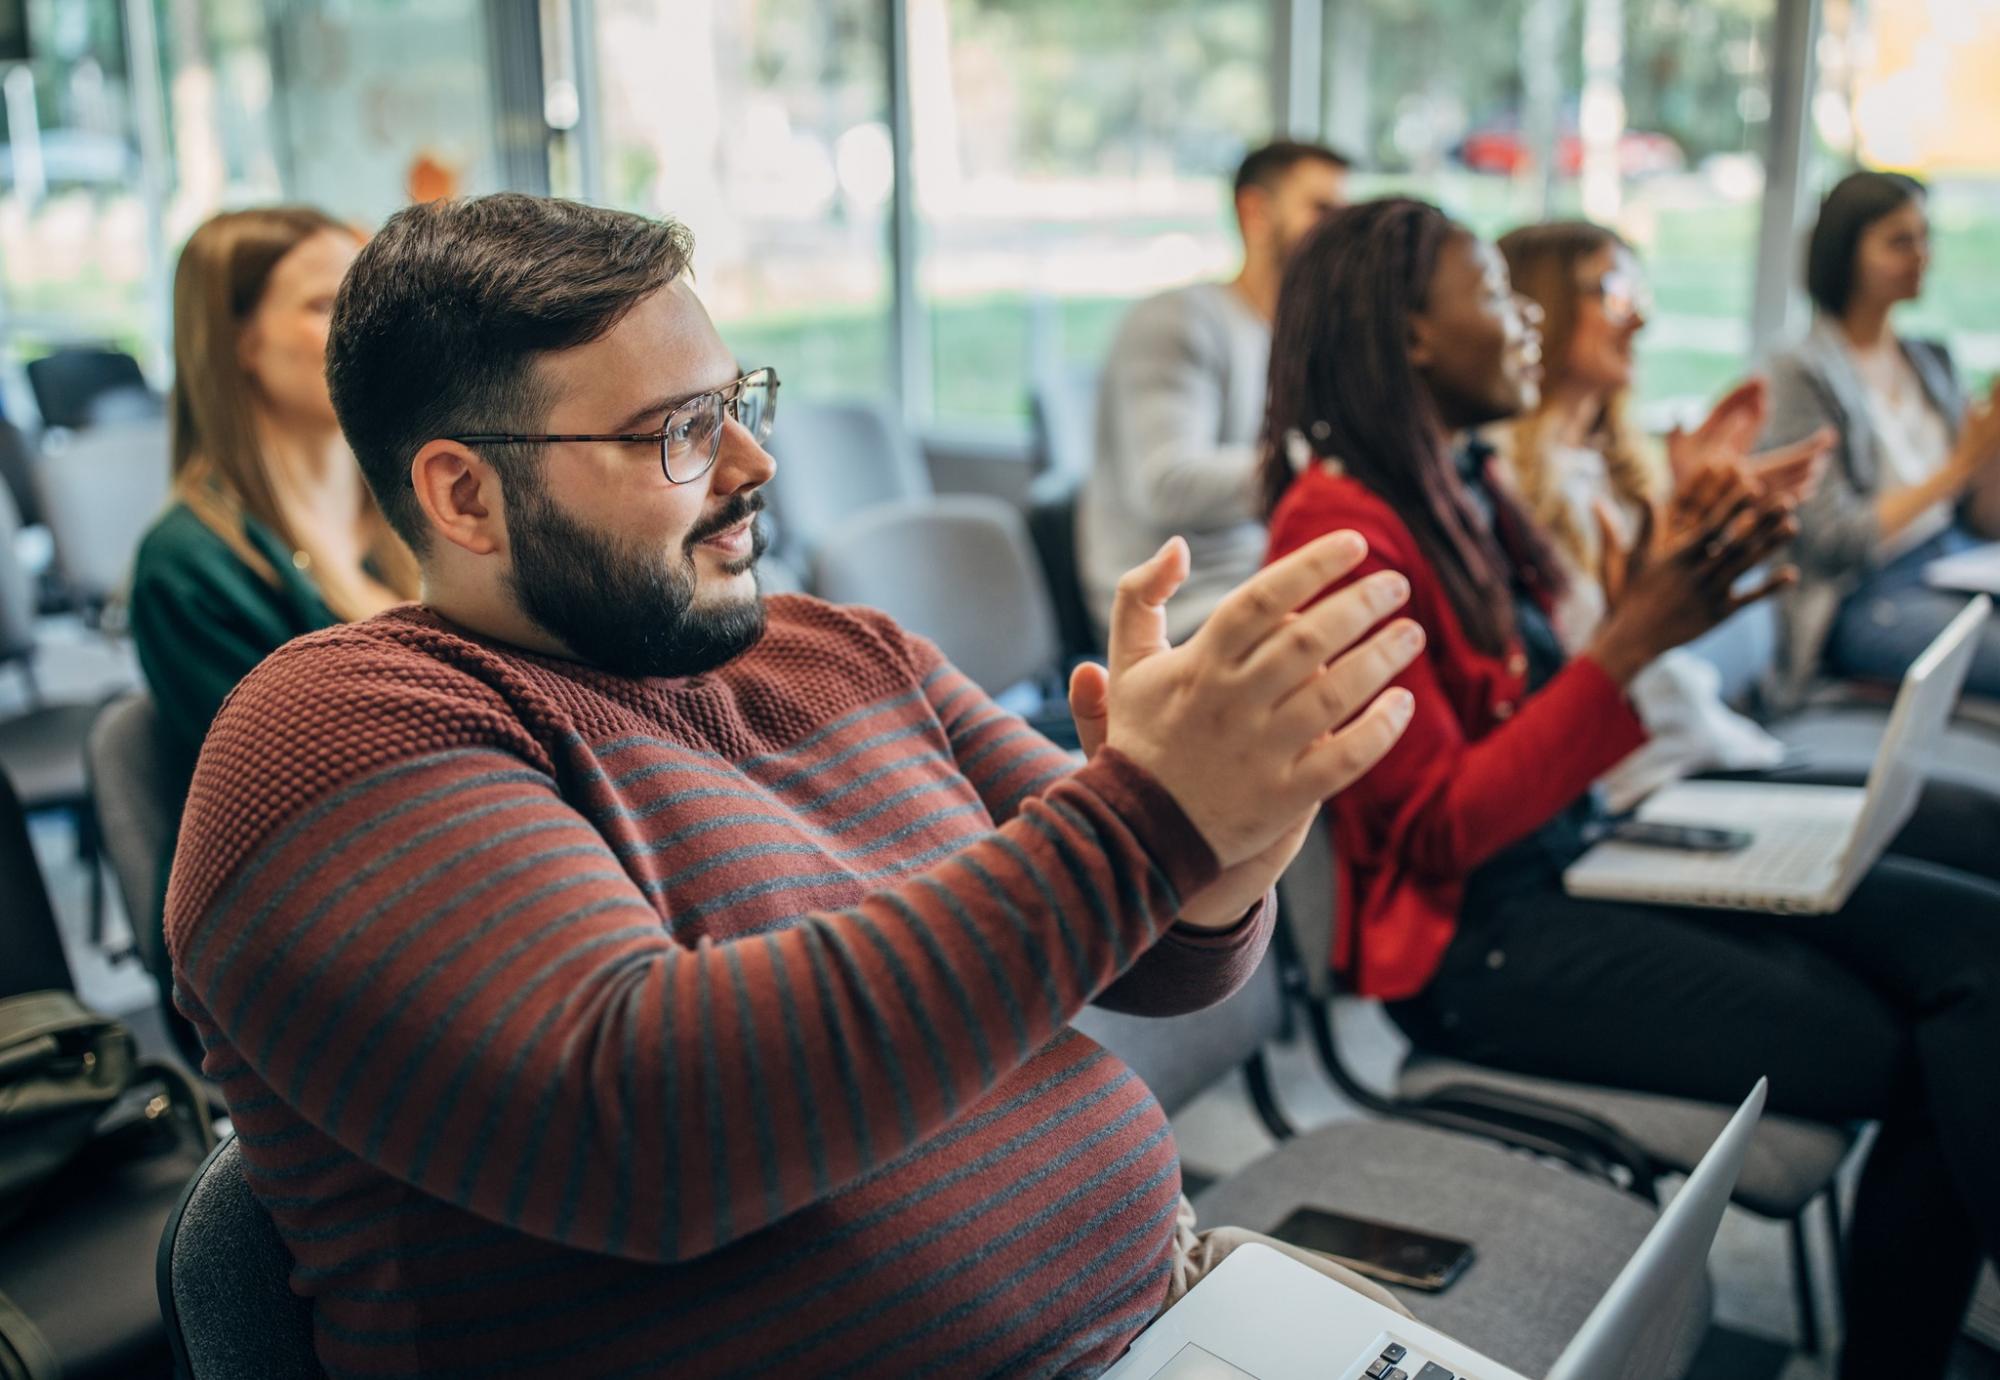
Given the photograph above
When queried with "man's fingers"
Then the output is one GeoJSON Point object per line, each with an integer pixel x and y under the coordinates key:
{"type": "Point", "coordinates": [1090, 705]}
{"type": "Point", "coordinates": [1139, 608]}
{"type": "Point", "coordinates": [1256, 607]}
{"type": "Point", "coordinates": [1340, 759]}
{"type": "Point", "coordinates": [1332, 696]}
{"type": "Point", "coordinates": [1315, 636]}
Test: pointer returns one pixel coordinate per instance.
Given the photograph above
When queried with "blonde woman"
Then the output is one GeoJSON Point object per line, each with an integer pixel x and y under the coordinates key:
{"type": "Point", "coordinates": [1588, 477]}
{"type": "Point", "coordinates": [272, 532]}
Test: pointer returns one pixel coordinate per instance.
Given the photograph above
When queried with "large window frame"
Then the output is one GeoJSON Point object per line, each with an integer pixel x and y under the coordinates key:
{"type": "Point", "coordinates": [1298, 106]}
{"type": "Point", "coordinates": [542, 79]}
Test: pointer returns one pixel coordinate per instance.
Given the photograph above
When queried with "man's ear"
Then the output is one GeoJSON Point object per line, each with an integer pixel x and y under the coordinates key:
{"type": "Point", "coordinates": [1253, 212]}
{"type": "Point", "coordinates": [460, 496]}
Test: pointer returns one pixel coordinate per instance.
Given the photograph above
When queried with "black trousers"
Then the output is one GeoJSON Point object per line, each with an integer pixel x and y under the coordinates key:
{"type": "Point", "coordinates": [1888, 1010]}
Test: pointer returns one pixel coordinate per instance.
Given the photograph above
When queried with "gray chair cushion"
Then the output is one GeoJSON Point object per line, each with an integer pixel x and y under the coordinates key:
{"type": "Point", "coordinates": [1790, 1160]}
{"type": "Point", "coordinates": [224, 1282]}
{"type": "Point", "coordinates": [1548, 1240]}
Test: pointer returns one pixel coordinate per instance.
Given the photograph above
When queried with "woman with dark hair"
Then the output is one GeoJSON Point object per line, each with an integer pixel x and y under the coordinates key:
{"type": "Point", "coordinates": [1915, 473]}
{"type": "Point", "coordinates": [1397, 334]}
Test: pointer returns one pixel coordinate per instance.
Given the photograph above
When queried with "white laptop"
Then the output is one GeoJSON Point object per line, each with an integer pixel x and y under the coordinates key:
{"type": "Point", "coordinates": [1810, 845]}
{"type": "Point", "coordinates": [1261, 1315]}
{"type": "Point", "coordinates": [1976, 571]}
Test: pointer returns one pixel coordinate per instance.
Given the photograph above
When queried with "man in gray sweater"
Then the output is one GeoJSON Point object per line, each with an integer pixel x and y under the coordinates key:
{"type": "Point", "coordinates": [1182, 398]}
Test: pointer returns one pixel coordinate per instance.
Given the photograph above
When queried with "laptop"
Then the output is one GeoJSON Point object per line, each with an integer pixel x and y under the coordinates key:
{"type": "Point", "coordinates": [1810, 845]}
{"type": "Point", "coordinates": [1975, 571]}
{"type": "Point", "coordinates": [1261, 1315]}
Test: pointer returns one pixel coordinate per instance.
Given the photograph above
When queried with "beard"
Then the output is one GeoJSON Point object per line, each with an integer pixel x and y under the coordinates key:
{"type": "Point", "coordinates": [629, 609]}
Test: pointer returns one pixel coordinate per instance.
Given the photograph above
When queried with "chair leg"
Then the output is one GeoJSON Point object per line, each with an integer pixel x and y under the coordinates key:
{"type": "Point", "coordinates": [1257, 1077]}
{"type": "Point", "coordinates": [1838, 1232]}
{"type": "Point", "coordinates": [1802, 1286]}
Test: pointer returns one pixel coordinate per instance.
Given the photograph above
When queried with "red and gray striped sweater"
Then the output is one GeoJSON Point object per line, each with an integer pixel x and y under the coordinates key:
{"type": "Point", "coordinates": [588, 1026]}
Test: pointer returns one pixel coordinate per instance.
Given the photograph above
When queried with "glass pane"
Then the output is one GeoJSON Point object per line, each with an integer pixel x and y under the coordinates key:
{"type": "Point", "coordinates": [1909, 85]}
{"type": "Point", "coordinates": [380, 97]}
{"type": "Point", "coordinates": [1646, 115]}
{"type": "Point", "coordinates": [765, 128]}
{"type": "Point", "coordinates": [1069, 160]}
{"type": "Point", "coordinates": [73, 238]}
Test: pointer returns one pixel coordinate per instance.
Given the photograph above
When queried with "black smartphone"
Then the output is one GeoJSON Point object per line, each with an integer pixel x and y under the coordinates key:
{"type": "Point", "coordinates": [1692, 838]}
{"type": "Point", "coordinates": [1394, 1255]}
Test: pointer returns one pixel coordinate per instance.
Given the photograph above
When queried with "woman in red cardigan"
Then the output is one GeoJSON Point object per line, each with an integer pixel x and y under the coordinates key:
{"type": "Point", "coordinates": [1396, 335]}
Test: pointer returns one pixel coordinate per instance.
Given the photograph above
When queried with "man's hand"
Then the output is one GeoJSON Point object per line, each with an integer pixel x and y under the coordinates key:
{"type": "Point", "coordinates": [1243, 723]}
{"type": "Point", "coordinates": [1229, 897]}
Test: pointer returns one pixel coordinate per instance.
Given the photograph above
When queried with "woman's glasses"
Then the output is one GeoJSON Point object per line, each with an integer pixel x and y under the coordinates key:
{"type": "Point", "coordinates": [691, 437]}
{"type": "Point", "coordinates": [1624, 296]}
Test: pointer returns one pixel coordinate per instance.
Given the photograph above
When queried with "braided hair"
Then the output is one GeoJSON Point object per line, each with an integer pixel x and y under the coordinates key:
{"type": "Point", "coordinates": [1341, 377]}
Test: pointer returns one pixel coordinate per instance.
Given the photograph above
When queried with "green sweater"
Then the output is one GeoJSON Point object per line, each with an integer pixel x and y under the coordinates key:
{"type": "Point", "coordinates": [201, 619]}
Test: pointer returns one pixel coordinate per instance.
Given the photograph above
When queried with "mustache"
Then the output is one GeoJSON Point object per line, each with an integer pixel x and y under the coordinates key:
{"type": "Point", "coordinates": [732, 511]}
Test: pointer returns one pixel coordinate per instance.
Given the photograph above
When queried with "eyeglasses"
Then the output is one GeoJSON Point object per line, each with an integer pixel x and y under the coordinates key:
{"type": "Point", "coordinates": [1625, 297]}
{"type": "Point", "coordinates": [691, 437]}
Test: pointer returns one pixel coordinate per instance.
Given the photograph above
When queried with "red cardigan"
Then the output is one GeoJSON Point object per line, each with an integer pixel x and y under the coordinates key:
{"type": "Point", "coordinates": [1480, 767]}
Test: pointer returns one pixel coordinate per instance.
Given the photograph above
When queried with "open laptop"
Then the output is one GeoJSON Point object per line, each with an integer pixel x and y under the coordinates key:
{"type": "Point", "coordinates": [1810, 845]}
{"type": "Point", "coordinates": [1261, 1315]}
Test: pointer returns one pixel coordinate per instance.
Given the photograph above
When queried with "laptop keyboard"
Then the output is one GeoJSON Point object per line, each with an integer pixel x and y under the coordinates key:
{"type": "Point", "coordinates": [1388, 1366]}
{"type": "Point", "coordinates": [1788, 852]}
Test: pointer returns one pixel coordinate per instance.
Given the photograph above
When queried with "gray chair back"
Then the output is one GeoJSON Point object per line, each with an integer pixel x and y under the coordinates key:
{"type": "Point", "coordinates": [67, 381]}
{"type": "Point", "coordinates": [960, 569]}
{"type": "Point", "coordinates": [100, 489]}
{"type": "Point", "coordinates": [223, 1280]}
{"type": "Point", "coordinates": [137, 796]}
{"type": "Point", "coordinates": [17, 588]}
{"type": "Point", "coordinates": [1062, 413]}
{"type": "Point", "coordinates": [836, 459]}
{"type": "Point", "coordinates": [1179, 1056]}
{"type": "Point", "coordinates": [1305, 908]}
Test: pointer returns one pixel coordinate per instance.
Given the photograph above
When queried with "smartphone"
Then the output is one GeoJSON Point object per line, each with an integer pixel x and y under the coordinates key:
{"type": "Point", "coordinates": [1693, 838]}
{"type": "Point", "coordinates": [1394, 1255]}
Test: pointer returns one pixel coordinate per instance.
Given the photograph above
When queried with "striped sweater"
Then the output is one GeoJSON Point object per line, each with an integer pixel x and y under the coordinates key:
{"type": "Point", "coordinates": [587, 1026]}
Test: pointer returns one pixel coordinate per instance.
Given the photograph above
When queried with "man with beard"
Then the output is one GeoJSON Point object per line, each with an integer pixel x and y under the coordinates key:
{"type": "Point", "coordinates": [612, 972]}
{"type": "Point", "coordinates": [1182, 397]}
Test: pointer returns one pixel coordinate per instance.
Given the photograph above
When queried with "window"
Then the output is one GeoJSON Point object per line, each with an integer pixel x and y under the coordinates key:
{"type": "Point", "coordinates": [74, 246]}
{"type": "Point", "coordinates": [1646, 115]}
{"type": "Point", "coordinates": [1068, 160]}
{"type": "Point", "coordinates": [763, 126]}
{"type": "Point", "coordinates": [1908, 85]}
{"type": "Point", "coordinates": [379, 99]}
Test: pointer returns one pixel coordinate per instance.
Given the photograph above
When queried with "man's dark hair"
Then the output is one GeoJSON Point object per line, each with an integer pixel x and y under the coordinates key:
{"type": "Point", "coordinates": [1856, 202]}
{"type": "Point", "coordinates": [438, 324]}
{"type": "Point", "coordinates": [1266, 167]}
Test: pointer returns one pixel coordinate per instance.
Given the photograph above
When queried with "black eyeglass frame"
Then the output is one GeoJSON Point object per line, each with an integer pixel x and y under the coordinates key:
{"type": "Point", "coordinates": [726, 396]}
